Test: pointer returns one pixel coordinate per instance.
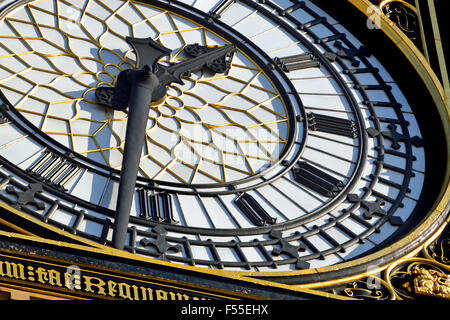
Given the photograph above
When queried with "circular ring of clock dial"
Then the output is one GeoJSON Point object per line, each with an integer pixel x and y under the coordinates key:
{"type": "Point", "coordinates": [303, 154]}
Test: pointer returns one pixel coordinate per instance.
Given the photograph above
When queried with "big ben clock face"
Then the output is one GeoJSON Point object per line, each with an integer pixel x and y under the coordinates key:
{"type": "Point", "coordinates": [300, 151]}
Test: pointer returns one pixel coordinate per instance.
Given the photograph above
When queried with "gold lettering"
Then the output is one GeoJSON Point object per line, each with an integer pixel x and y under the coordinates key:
{"type": "Point", "coordinates": [42, 275]}
{"type": "Point", "coordinates": [178, 296]}
{"type": "Point", "coordinates": [135, 292]}
{"type": "Point", "coordinates": [54, 278]}
{"type": "Point", "coordinates": [12, 270]}
{"type": "Point", "coordinates": [90, 282]}
{"type": "Point", "coordinates": [30, 273]}
{"type": "Point", "coordinates": [112, 288]}
{"type": "Point", "coordinates": [197, 298]}
{"type": "Point", "coordinates": [161, 295]}
{"type": "Point", "coordinates": [172, 295]}
{"type": "Point", "coordinates": [182, 296]}
{"type": "Point", "coordinates": [124, 291]}
{"type": "Point", "coordinates": [144, 293]}
{"type": "Point", "coordinates": [95, 285]}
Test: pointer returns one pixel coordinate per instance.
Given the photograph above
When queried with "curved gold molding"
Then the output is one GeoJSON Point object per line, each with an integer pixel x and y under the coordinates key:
{"type": "Point", "coordinates": [425, 273]}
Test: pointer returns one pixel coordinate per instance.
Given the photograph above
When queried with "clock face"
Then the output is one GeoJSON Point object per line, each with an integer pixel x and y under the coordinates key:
{"type": "Point", "coordinates": [304, 153]}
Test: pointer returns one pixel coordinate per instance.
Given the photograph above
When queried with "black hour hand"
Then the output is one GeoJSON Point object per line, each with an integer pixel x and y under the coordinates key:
{"type": "Point", "coordinates": [148, 52]}
{"type": "Point", "coordinates": [215, 59]}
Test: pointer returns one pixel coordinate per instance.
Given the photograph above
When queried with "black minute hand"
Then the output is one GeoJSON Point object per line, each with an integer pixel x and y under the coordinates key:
{"type": "Point", "coordinates": [136, 89]}
{"type": "Point", "coordinates": [143, 83]}
{"type": "Point", "coordinates": [213, 58]}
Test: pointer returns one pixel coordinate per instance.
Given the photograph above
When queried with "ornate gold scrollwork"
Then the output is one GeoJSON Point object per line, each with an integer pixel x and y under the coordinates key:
{"type": "Point", "coordinates": [404, 15]}
{"type": "Point", "coordinates": [416, 277]}
{"type": "Point", "coordinates": [439, 250]}
{"type": "Point", "coordinates": [370, 288]}
{"type": "Point", "coordinates": [425, 275]}
{"type": "Point", "coordinates": [431, 282]}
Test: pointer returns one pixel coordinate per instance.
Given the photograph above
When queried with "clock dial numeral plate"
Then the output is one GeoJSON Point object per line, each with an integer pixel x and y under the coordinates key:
{"type": "Point", "coordinates": [157, 207]}
{"type": "Point", "coordinates": [297, 62]}
{"type": "Point", "coordinates": [253, 210]}
{"type": "Point", "coordinates": [55, 170]}
{"type": "Point", "coordinates": [303, 154]}
{"type": "Point", "coordinates": [316, 179]}
{"type": "Point", "coordinates": [333, 125]}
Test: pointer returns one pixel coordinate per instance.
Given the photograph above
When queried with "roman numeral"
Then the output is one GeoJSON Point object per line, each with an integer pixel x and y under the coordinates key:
{"type": "Point", "coordinates": [328, 124]}
{"type": "Point", "coordinates": [317, 180]}
{"type": "Point", "coordinates": [54, 169]}
{"type": "Point", "coordinates": [221, 8]}
{"type": "Point", "coordinates": [253, 210]}
{"type": "Point", "coordinates": [297, 62]}
{"type": "Point", "coordinates": [156, 207]}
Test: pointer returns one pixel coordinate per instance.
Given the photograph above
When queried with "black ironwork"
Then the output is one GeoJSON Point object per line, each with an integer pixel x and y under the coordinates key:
{"type": "Point", "coordinates": [289, 249]}
{"type": "Point", "coordinates": [27, 197]}
{"type": "Point", "coordinates": [285, 253]}
{"type": "Point", "coordinates": [160, 243]}
{"type": "Point", "coordinates": [351, 53]}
